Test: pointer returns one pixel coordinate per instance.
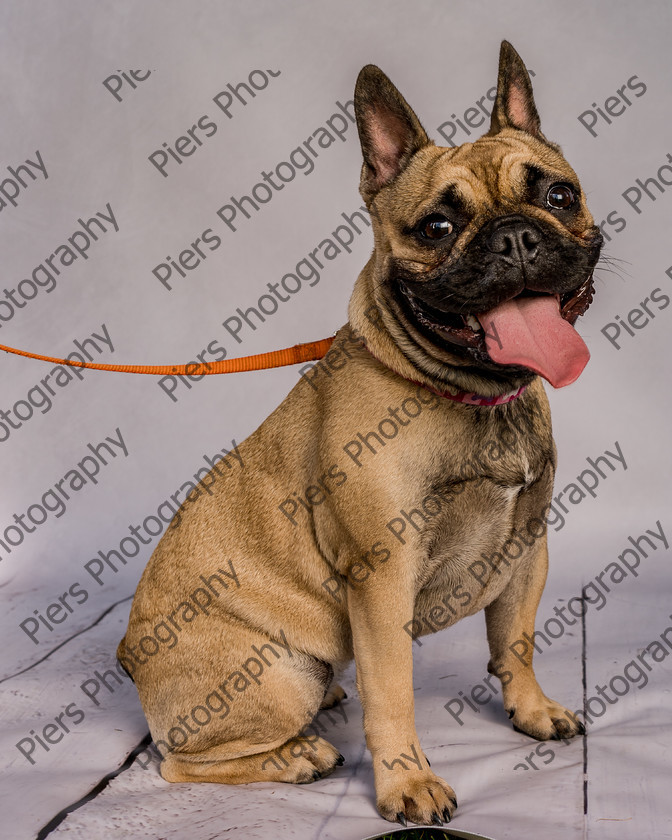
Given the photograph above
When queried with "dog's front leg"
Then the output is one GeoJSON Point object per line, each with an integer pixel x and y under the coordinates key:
{"type": "Point", "coordinates": [510, 625]}
{"type": "Point", "coordinates": [406, 789]}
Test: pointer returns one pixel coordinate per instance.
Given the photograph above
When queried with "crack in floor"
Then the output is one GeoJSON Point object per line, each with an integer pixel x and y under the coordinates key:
{"type": "Point", "coordinates": [69, 639]}
{"type": "Point", "coordinates": [341, 795]}
{"type": "Point", "coordinates": [55, 821]}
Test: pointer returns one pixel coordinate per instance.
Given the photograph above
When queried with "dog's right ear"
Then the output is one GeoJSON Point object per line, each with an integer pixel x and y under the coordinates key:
{"type": "Point", "coordinates": [389, 131]}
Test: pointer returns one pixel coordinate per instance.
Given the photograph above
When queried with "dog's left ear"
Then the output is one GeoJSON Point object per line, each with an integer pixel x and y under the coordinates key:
{"type": "Point", "coordinates": [389, 131]}
{"type": "Point", "coordinates": [514, 105]}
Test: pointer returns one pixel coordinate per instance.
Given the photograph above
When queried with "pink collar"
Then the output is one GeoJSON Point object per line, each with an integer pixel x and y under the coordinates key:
{"type": "Point", "coordinates": [467, 397]}
{"type": "Point", "coordinates": [476, 399]}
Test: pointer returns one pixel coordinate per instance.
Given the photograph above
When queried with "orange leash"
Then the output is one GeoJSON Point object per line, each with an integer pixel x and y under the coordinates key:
{"type": "Point", "coordinates": [307, 352]}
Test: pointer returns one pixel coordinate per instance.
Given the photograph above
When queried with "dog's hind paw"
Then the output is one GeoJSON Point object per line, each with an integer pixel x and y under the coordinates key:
{"type": "Point", "coordinates": [333, 696]}
{"type": "Point", "coordinates": [309, 760]}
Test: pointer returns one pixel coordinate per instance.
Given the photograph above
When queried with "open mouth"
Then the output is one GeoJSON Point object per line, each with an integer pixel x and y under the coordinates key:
{"type": "Point", "coordinates": [467, 331]}
{"type": "Point", "coordinates": [532, 330]}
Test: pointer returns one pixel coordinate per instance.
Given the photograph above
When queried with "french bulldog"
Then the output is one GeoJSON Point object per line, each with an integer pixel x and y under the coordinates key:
{"type": "Point", "coordinates": [402, 485]}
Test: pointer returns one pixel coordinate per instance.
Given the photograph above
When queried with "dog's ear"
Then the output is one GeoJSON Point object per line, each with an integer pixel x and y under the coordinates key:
{"type": "Point", "coordinates": [389, 131]}
{"type": "Point", "coordinates": [514, 105]}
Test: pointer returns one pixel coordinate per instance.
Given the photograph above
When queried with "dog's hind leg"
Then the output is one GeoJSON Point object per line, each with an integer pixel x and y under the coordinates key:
{"type": "Point", "coordinates": [333, 697]}
{"type": "Point", "coordinates": [299, 760]}
{"type": "Point", "coordinates": [234, 706]}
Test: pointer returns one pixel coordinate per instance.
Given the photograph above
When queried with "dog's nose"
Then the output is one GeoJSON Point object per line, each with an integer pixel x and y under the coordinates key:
{"type": "Point", "coordinates": [515, 238]}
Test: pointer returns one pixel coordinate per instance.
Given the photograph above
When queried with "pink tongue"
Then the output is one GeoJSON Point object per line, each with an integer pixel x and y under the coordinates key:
{"type": "Point", "coordinates": [530, 331]}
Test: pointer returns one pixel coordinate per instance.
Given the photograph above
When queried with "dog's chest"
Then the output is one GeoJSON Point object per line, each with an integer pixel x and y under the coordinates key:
{"type": "Point", "coordinates": [485, 526]}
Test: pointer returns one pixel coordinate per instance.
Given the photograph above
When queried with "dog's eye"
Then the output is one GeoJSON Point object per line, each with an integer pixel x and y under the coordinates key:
{"type": "Point", "coordinates": [435, 227]}
{"type": "Point", "coordinates": [560, 197]}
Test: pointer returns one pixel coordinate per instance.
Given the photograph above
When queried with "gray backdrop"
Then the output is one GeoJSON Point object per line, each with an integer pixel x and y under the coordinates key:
{"type": "Point", "coordinates": [95, 99]}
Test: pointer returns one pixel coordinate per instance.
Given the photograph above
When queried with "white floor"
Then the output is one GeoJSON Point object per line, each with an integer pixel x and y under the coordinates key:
{"type": "Point", "coordinates": [625, 752]}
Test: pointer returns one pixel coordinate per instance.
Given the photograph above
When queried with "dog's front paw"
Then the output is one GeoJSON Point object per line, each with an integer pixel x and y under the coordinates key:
{"type": "Point", "coordinates": [545, 721]}
{"type": "Point", "coordinates": [415, 796]}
